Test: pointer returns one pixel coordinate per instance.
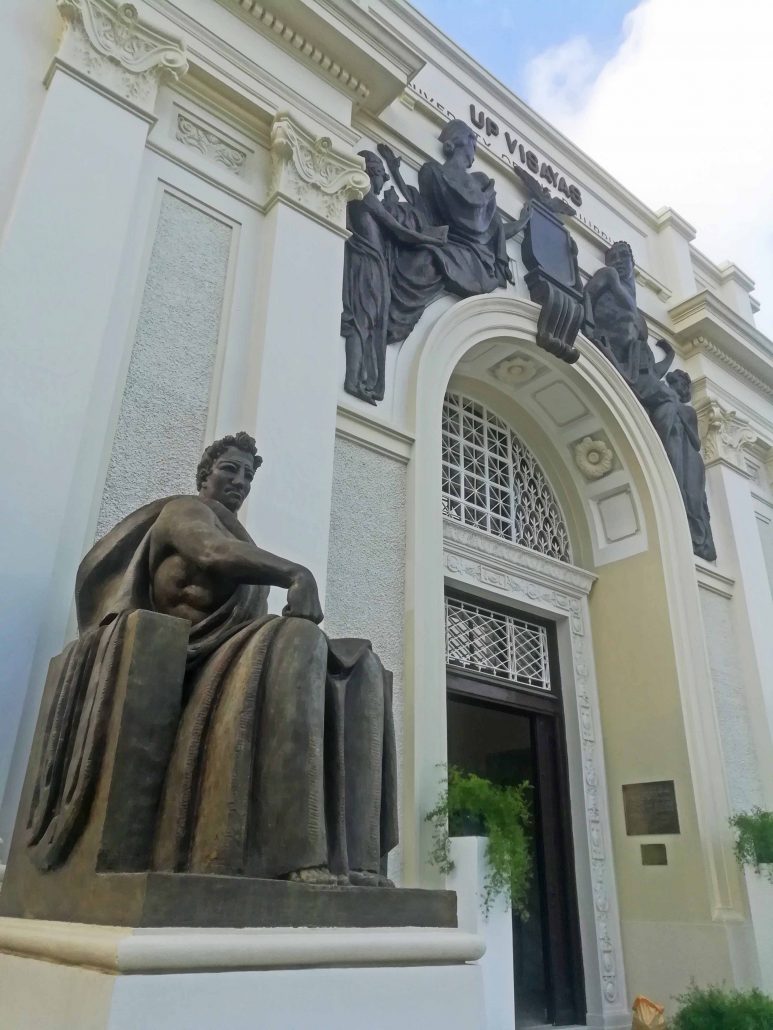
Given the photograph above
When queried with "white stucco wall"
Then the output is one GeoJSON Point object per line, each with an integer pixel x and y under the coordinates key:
{"type": "Point", "coordinates": [27, 44]}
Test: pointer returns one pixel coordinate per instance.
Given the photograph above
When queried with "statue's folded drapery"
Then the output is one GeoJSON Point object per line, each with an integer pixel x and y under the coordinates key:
{"type": "Point", "coordinates": [366, 297]}
{"type": "Point", "coordinates": [676, 423]}
{"type": "Point", "coordinates": [473, 260]}
{"type": "Point", "coordinates": [284, 756]}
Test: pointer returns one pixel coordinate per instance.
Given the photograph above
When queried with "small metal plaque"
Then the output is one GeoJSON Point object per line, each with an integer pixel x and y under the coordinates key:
{"type": "Point", "coordinates": [654, 854]}
{"type": "Point", "coordinates": [650, 808]}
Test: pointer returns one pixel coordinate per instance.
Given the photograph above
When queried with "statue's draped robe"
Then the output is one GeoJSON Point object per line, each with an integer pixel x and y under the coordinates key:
{"type": "Point", "coordinates": [677, 426]}
{"type": "Point", "coordinates": [366, 298]}
{"type": "Point", "coordinates": [284, 757]}
{"type": "Point", "coordinates": [473, 260]}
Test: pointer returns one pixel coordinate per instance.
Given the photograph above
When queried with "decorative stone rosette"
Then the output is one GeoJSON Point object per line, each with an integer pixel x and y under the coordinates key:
{"type": "Point", "coordinates": [515, 370]}
{"type": "Point", "coordinates": [594, 458]}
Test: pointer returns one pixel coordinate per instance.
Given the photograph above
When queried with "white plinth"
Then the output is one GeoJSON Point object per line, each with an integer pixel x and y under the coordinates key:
{"type": "Point", "coordinates": [469, 857]}
{"type": "Point", "coordinates": [59, 976]}
{"type": "Point", "coordinates": [760, 889]}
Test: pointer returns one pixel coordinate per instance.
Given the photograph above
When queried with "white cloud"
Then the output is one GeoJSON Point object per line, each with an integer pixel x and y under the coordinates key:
{"type": "Point", "coordinates": [681, 115]}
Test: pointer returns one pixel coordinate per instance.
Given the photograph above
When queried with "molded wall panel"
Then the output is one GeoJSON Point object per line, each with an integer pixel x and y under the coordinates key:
{"type": "Point", "coordinates": [163, 417]}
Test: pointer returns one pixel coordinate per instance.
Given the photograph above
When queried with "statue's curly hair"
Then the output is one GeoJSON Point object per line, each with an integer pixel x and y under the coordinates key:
{"type": "Point", "coordinates": [242, 440]}
{"type": "Point", "coordinates": [615, 246]}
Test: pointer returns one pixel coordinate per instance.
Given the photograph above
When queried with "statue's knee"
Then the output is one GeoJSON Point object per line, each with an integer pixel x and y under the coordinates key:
{"type": "Point", "coordinates": [305, 634]}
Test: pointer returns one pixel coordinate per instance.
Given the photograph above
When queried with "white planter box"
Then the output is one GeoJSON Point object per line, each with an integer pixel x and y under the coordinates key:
{"type": "Point", "coordinates": [469, 857]}
{"type": "Point", "coordinates": [760, 891]}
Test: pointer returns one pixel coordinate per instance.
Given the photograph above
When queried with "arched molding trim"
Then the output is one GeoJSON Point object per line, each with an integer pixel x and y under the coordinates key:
{"type": "Point", "coordinates": [432, 362]}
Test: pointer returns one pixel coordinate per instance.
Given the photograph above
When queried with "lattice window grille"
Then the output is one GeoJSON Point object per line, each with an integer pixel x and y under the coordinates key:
{"type": "Point", "coordinates": [483, 640]}
{"type": "Point", "coordinates": [493, 482]}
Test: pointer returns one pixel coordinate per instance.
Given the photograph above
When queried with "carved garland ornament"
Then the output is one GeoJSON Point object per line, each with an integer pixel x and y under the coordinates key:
{"type": "Point", "coordinates": [460, 559]}
{"type": "Point", "coordinates": [308, 171]}
{"type": "Point", "coordinates": [209, 144]}
{"type": "Point", "coordinates": [109, 43]}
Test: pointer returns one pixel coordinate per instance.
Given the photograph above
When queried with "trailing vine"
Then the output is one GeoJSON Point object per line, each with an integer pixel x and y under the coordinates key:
{"type": "Point", "coordinates": [504, 815]}
{"type": "Point", "coordinates": [754, 838]}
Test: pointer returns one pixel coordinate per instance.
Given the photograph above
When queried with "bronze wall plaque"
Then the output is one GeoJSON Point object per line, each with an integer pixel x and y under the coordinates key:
{"type": "Point", "coordinates": [654, 854]}
{"type": "Point", "coordinates": [650, 808]}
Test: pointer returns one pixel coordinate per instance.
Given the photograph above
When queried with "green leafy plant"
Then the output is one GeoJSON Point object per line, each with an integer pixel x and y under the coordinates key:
{"type": "Point", "coordinates": [754, 838]}
{"type": "Point", "coordinates": [713, 1008]}
{"type": "Point", "coordinates": [500, 813]}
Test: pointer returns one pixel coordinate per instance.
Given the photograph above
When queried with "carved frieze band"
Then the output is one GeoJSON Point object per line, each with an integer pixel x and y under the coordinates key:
{"type": "Point", "coordinates": [109, 43]}
{"type": "Point", "coordinates": [500, 567]}
{"type": "Point", "coordinates": [724, 436]}
{"type": "Point", "coordinates": [309, 172]}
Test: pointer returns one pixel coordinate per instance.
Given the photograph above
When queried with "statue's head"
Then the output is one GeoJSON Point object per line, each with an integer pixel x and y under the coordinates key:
{"type": "Point", "coordinates": [620, 256]}
{"type": "Point", "coordinates": [457, 135]}
{"type": "Point", "coordinates": [375, 170]}
{"type": "Point", "coordinates": [226, 470]}
{"type": "Point", "coordinates": [681, 383]}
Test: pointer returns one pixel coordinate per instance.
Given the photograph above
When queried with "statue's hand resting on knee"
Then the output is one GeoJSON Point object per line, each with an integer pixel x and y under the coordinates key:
{"type": "Point", "coordinates": [303, 598]}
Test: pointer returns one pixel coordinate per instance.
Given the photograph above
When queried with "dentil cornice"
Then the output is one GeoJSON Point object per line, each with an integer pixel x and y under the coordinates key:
{"type": "Point", "coordinates": [344, 40]}
{"type": "Point", "coordinates": [309, 173]}
{"type": "Point", "coordinates": [705, 324]}
{"type": "Point", "coordinates": [108, 44]}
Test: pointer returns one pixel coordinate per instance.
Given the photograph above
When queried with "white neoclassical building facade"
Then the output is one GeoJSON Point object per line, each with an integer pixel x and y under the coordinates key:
{"type": "Point", "coordinates": [505, 527]}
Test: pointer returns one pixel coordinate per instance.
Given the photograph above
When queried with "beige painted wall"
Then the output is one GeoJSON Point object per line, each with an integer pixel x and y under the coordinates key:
{"type": "Point", "coordinates": [668, 933]}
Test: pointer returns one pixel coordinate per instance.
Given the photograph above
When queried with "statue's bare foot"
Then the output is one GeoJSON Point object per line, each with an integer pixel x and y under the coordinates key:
{"type": "Point", "coordinates": [318, 876]}
{"type": "Point", "coordinates": [384, 881]}
{"type": "Point", "coordinates": [361, 878]}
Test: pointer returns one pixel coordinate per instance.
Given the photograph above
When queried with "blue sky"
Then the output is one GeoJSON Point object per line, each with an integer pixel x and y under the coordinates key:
{"type": "Point", "coordinates": [504, 35]}
{"type": "Point", "coordinates": [675, 107]}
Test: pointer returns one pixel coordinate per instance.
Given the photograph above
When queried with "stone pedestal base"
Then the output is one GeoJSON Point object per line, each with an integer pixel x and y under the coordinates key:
{"type": "Point", "coordinates": [496, 929]}
{"type": "Point", "coordinates": [65, 975]}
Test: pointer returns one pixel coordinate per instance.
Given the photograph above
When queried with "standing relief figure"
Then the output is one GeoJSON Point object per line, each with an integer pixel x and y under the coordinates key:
{"type": "Point", "coordinates": [620, 331]}
{"type": "Point", "coordinates": [368, 259]}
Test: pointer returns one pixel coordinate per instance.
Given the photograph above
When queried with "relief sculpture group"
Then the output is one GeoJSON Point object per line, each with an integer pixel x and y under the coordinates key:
{"type": "Point", "coordinates": [448, 236]}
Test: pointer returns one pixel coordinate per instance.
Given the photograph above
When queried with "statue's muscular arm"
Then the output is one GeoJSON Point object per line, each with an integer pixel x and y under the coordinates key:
{"type": "Point", "coordinates": [608, 279]}
{"type": "Point", "coordinates": [194, 555]}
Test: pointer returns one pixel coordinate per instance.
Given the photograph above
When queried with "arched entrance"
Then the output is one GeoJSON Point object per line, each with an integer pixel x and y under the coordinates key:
{"type": "Point", "coordinates": [628, 520]}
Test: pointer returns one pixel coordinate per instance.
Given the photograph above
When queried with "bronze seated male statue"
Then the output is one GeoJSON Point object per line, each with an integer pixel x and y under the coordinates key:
{"type": "Point", "coordinates": [189, 736]}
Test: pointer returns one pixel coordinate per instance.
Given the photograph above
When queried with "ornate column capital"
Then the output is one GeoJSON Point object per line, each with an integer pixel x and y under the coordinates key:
{"type": "Point", "coordinates": [117, 51]}
{"type": "Point", "coordinates": [310, 174]}
{"type": "Point", "coordinates": [724, 436]}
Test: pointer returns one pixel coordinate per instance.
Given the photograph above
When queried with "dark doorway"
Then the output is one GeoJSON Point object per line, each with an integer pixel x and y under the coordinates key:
{"type": "Point", "coordinates": [510, 733]}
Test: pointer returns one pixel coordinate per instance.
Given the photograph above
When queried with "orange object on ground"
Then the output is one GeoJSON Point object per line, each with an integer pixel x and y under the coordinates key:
{"type": "Point", "coordinates": [647, 1015]}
